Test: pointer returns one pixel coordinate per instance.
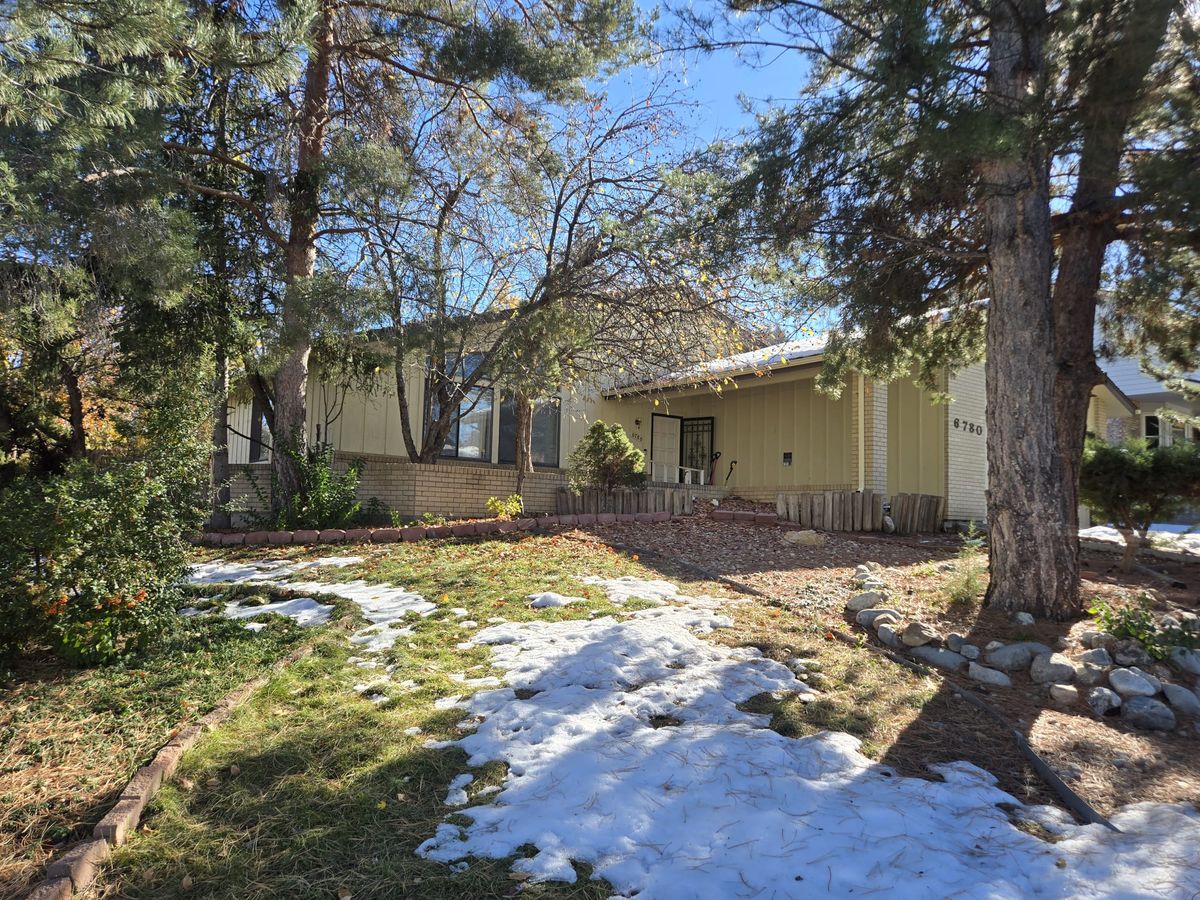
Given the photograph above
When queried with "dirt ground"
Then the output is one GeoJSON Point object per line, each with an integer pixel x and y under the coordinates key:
{"type": "Point", "coordinates": [1105, 761]}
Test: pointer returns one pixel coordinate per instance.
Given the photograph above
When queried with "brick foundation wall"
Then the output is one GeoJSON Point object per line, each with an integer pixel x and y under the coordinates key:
{"type": "Point", "coordinates": [449, 488]}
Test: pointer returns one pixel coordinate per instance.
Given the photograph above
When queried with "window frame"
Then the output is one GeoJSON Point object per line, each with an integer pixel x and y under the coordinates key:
{"type": "Point", "coordinates": [507, 400]}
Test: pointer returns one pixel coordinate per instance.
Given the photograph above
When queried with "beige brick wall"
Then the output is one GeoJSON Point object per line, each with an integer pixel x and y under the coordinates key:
{"type": "Point", "coordinates": [875, 409]}
{"type": "Point", "coordinates": [446, 488]}
{"type": "Point", "coordinates": [966, 449]}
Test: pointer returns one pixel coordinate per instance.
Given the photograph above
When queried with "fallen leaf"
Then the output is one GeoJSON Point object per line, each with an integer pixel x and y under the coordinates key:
{"type": "Point", "coordinates": [343, 893]}
{"type": "Point", "coordinates": [185, 884]}
{"type": "Point", "coordinates": [235, 769]}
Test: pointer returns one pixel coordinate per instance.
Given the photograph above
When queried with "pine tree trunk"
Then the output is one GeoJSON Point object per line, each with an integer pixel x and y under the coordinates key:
{"type": "Point", "coordinates": [524, 448]}
{"type": "Point", "coordinates": [1034, 549]}
{"type": "Point", "coordinates": [77, 439]}
{"type": "Point", "coordinates": [300, 258]}
{"type": "Point", "coordinates": [1133, 543]}
{"type": "Point", "coordinates": [219, 470]}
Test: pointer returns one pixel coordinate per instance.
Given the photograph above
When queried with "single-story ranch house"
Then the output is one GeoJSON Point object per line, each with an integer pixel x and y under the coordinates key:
{"type": "Point", "coordinates": [764, 430]}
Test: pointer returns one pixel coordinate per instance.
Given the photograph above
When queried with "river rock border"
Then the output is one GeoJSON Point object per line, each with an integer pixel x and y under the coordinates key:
{"type": "Point", "coordinates": [74, 871]}
{"type": "Point", "coordinates": [424, 532]}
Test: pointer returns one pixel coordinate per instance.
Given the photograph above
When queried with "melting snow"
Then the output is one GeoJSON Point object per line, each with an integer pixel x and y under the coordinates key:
{"type": "Point", "coordinates": [628, 587]}
{"type": "Point", "coordinates": [302, 610]}
{"type": "Point", "coordinates": [549, 599]}
{"type": "Point", "coordinates": [383, 605]}
{"type": "Point", "coordinates": [1162, 537]}
{"type": "Point", "coordinates": [715, 804]}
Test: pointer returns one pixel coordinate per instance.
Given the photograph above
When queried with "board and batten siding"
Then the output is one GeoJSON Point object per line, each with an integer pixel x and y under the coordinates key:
{"type": "Point", "coordinates": [966, 451]}
{"type": "Point", "coordinates": [916, 446]}
{"type": "Point", "coordinates": [368, 422]}
{"type": "Point", "coordinates": [755, 423]}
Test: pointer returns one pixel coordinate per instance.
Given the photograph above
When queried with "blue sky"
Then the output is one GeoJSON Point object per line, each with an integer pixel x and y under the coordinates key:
{"type": "Point", "coordinates": [714, 82]}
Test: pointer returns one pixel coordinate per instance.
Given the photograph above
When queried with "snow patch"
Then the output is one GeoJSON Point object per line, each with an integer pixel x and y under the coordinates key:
{"type": "Point", "coordinates": [630, 753]}
{"type": "Point", "coordinates": [547, 599]}
{"type": "Point", "coordinates": [621, 590]}
{"type": "Point", "coordinates": [1174, 538]}
{"type": "Point", "coordinates": [302, 610]}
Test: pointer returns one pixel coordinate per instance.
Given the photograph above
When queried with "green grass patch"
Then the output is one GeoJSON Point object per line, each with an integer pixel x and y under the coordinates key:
{"type": "Point", "coordinates": [331, 792]}
{"type": "Point", "coordinates": [71, 737]}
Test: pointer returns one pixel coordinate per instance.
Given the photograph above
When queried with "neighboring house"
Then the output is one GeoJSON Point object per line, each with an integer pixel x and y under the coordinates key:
{"type": "Point", "coordinates": [1151, 398]}
{"type": "Point", "coordinates": [753, 425]}
{"type": "Point", "coordinates": [1160, 415]}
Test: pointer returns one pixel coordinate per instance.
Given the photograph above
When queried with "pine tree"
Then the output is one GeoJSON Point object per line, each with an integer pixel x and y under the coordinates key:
{"type": "Point", "coordinates": [958, 178]}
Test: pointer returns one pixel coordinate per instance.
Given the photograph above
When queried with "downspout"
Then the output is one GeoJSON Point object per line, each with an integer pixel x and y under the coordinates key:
{"type": "Point", "coordinates": [862, 434]}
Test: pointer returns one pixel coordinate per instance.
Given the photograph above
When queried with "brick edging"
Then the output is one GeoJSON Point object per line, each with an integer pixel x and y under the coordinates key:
{"type": "Point", "coordinates": [75, 870]}
{"type": "Point", "coordinates": [430, 532]}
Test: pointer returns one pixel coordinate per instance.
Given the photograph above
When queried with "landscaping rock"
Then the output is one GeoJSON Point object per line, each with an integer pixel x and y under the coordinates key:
{"type": "Point", "coordinates": [936, 656]}
{"type": "Point", "coordinates": [1064, 694]}
{"type": "Point", "coordinates": [1150, 677]}
{"type": "Point", "coordinates": [887, 635]}
{"type": "Point", "coordinates": [385, 535]}
{"type": "Point", "coordinates": [80, 863]}
{"type": "Point", "coordinates": [1182, 699]}
{"type": "Point", "coordinates": [918, 634]}
{"type": "Point", "coordinates": [889, 525]}
{"type": "Point", "coordinates": [872, 584]}
{"type": "Point", "coordinates": [279, 538]}
{"type": "Point", "coordinates": [1102, 700]}
{"type": "Point", "coordinates": [1186, 659]}
{"type": "Point", "coordinates": [331, 536]}
{"type": "Point", "coordinates": [865, 600]}
{"type": "Point", "coordinates": [1050, 668]}
{"type": "Point", "coordinates": [1148, 714]}
{"type": "Point", "coordinates": [54, 889]}
{"type": "Point", "coordinates": [307, 536]}
{"type": "Point", "coordinates": [1089, 674]}
{"type": "Point", "coordinates": [969, 651]}
{"type": "Point", "coordinates": [1021, 618]}
{"type": "Point", "coordinates": [954, 641]}
{"type": "Point", "coordinates": [992, 645]}
{"type": "Point", "coordinates": [866, 618]}
{"type": "Point", "coordinates": [985, 675]}
{"type": "Point", "coordinates": [1129, 683]}
{"type": "Point", "coordinates": [1014, 657]}
{"type": "Point", "coordinates": [1130, 652]}
{"type": "Point", "coordinates": [805, 538]}
{"type": "Point", "coordinates": [1099, 657]}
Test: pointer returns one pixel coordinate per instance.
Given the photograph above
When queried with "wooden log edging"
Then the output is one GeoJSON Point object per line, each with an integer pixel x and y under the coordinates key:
{"type": "Point", "coordinates": [73, 871]}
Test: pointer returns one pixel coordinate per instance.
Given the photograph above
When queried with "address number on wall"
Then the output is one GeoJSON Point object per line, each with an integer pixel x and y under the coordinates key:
{"type": "Point", "coordinates": [967, 426]}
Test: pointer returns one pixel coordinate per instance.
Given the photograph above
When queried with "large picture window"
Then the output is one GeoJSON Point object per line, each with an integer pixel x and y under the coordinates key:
{"type": "Point", "coordinates": [471, 434]}
{"type": "Point", "coordinates": [544, 440]}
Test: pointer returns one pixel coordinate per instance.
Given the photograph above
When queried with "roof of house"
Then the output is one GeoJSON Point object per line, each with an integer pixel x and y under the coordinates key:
{"type": "Point", "coordinates": [762, 358]}
{"type": "Point", "coordinates": [776, 356]}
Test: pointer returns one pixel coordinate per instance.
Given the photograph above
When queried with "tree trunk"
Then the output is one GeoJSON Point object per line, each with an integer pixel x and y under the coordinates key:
{"type": "Point", "coordinates": [1133, 543]}
{"type": "Point", "coordinates": [77, 441]}
{"type": "Point", "coordinates": [219, 469]}
{"type": "Point", "coordinates": [1108, 105]}
{"type": "Point", "coordinates": [524, 448]}
{"type": "Point", "coordinates": [1034, 550]}
{"type": "Point", "coordinates": [290, 431]}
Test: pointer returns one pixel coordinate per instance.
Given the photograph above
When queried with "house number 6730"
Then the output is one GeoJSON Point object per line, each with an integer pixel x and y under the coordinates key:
{"type": "Point", "coordinates": [967, 426]}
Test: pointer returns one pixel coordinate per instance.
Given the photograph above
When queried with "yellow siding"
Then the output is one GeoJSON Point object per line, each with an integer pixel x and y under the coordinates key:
{"type": "Point", "coordinates": [755, 424]}
{"type": "Point", "coordinates": [916, 441]}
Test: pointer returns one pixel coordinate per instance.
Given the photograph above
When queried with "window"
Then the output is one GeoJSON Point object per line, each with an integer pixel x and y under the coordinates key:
{"type": "Point", "coordinates": [1150, 430]}
{"type": "Point", "coordinates": [470, 436]}
{"type": "Point", "coordinates": [260, 433]}
{"type": "Point", "coordinates": [544, 440]}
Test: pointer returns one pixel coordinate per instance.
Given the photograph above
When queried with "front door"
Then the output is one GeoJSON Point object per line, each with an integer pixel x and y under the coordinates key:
{"type": "Point", "coordinates": [664, 448]}
{"type": "Point", "coordinates": [697, 446]}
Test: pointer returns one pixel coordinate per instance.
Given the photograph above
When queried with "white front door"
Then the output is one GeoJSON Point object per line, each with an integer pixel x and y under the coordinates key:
{"type": "Point", "coordinates": [664, 448]}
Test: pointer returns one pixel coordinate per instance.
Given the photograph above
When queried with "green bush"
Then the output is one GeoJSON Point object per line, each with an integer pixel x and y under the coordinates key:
{"type": "Point", "coordinates": [965, 585]}
{"type": "Point", "coordinates": [1137, 621]}
{"type": "Point", "coordinates": [326, 499]}
{"type": "Point", "coordinates": [606, 458]}
{"type": "Point", "coordinates": [88, 560]}
{"type": "Point", "coordinates": [1133, 485]}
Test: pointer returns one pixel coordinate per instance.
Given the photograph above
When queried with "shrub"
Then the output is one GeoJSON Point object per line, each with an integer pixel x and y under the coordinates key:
{"type": "Point", "coordinates": [88, 560]}
{"type": "Point", "coordinates": [1137, 621]}
{"type": "Point", "coordinates": [605, 458]}
{"type": "Point", "coordinates": [326, 499]}
{"type": "Point", "coordinates": [965, 585]}
{"type": "Point", "coordinates": [508, 508]}
{"type": "Point", "coordinates": [1133, 485]}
